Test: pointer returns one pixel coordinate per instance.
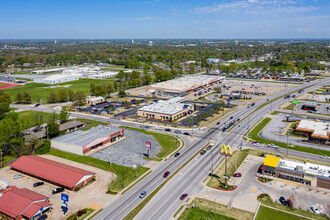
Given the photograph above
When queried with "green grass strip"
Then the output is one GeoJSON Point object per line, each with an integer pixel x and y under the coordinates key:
{"type": "Point", "coordinates": [95, 214]}
{"type": "Point", "coordinates": [136, 182]}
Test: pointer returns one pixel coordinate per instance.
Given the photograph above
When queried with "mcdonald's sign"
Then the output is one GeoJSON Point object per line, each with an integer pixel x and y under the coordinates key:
{"type": "Point", "coordinates": [225, 150]}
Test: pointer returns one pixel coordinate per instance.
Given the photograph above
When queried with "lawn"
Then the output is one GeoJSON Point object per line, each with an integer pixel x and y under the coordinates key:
{"type": "Point", "coordinates": [165, 141]}
{"type": "Point", "coordinates": [95, 123]}
{"type": "Point", "coordinates": [266, 213]}
{"type": "Point", "coordinates": [2, 84]}
{"type": "Point", "coordinates": [203, 209]}
{"type": "Point", "coordinates": [290, 107]}
{"type": "Point", "coordinates": [267, 201]}
{"type": "Point", "coordinates": [28, 116]}
{"type": "Point", "coordinates": [83, 216]}
{"type": "Point", "coordinates": [231, 162]}
{"type": "Point", "coordinates": [38, 90]}
{"type": "Point", "coordinates": [122, 172]}
{"type": "Point", "coordinates": [254, 134]}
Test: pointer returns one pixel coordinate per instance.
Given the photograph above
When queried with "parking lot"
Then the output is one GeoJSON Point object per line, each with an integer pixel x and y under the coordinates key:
{"type": "Point", "coordinates": [92, 193]}
{"type": "Point", "coordinates": [129, 151]}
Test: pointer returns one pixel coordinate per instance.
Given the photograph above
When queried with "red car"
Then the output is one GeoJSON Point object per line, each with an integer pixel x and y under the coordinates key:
{"type": "Point", "coordinates": [183, 196]}
{"type": "Point", "coordinates": [237, 175]}
{"type": "Point", "coordinates": [290, 204]}
{"type": "Point", "coordinates": [166, 174]}
{"type": "Point", "coordinates": [255, 142]}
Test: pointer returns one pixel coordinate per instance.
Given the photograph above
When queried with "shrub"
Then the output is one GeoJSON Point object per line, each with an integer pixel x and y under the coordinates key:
{"type": "Point", "coordinates": [80, 213]}
{"type": "Point", "coordinates": [45, 147]}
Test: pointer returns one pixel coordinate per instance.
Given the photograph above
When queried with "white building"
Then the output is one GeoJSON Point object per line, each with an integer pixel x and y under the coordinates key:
{"type": "Point", "coordinates": [57, 78]}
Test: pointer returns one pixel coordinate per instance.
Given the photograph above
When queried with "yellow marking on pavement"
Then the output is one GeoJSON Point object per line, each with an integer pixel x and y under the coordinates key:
{"type": "Point", "coordinates": [296, 196]}
{"type": "Point", "coordinates": [254, 189]}
{"type": "Point", "coordinates": [251, 179]}
{"type": "Point", "coordinates": [289, 182]}
{"type": "Point", "coordinates": [94, 206]}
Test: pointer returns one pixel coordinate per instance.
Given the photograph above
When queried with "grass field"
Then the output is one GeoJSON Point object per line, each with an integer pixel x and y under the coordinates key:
{"type": "Point", "coordinates": [126, 173]}
{"type": "Point", "coordinates": [165, 141]}
{"type": "Point", "coordinates": [290, 107]}
{"type": "Point", "coordinates": [266, 213]}
{"type": "Point", "coordinates": [38, 90]}
{"type": "Point", "coordinates": [2, 84]}
{"type": "Point", "coordinates": [267, 201]}
{"type": "Point", "coordinates": [203, 207]}
{"type": "Point", "coordinates": [231, 162]}
{"type": "Point", "coordinates": [28, 116]}
{"type": "Point", "coordinates": [254, 134]}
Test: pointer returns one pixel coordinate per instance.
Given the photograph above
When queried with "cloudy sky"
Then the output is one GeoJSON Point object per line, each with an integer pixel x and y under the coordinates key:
{"type": "Point", "coordinates": [108, 19]}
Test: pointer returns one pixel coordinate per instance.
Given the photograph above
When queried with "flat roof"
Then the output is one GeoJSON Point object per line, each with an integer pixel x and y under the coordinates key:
{"type": "Point", "coordinates": [168, 107]}
{"type": "Point", "coordinates": [318, 127]}
{"type": "Point", "coordinates": [271, 161]}
{"type": "Point", "coordinates": [95, 99]}
{"type": "Point", "coordinates": [82, 138]}
{"type": "Point", "coordinates": [50, 170]}
{"type": "Point", "coordinates": [311, 103]}
{"type": "Point", "coordinates": [307, 168]}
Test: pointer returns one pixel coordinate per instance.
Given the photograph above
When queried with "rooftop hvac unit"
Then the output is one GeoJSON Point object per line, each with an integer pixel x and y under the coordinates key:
{"type": "Point", "coordinates": [300, 168]}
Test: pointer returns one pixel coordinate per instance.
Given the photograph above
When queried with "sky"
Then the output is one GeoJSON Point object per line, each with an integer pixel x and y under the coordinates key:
{"type": "Point", "coordinates": [164, 19]}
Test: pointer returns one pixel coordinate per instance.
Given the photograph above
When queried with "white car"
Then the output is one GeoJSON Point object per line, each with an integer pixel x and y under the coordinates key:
{"type": "Point", "coordinates": [273, 146]}
{"type": "Point", "coordinates": [315, 209]}
{"type": "Point", "coordinates": [325, 157]}
{"type": "Point", "coordinates": [158, 128]}
{"type": "Point", "coordinates": [18, 176]}
{"type": "Point", "coordinates": [256, 144]}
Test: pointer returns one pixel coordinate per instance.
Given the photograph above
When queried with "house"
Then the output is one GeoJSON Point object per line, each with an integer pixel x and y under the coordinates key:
{"type": "Point", "coordinates": [94, 100]}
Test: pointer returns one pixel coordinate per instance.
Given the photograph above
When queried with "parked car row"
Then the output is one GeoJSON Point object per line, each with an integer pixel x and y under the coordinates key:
{"type": "Point", "coordinates": [289, 203]}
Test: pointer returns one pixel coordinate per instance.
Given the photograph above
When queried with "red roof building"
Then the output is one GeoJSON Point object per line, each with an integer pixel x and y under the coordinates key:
{"type": "Point", "coordinates": [23, 203]}
{"type": "Point", "coordinates": [54, 172]}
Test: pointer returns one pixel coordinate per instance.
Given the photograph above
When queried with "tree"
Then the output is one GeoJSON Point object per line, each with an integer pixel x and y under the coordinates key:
{"type": "Point", "coordinates": [198, 118]}
{"type": "Point", "coordinates": [109, 88]}
{"type": "Point", "coordinates": [217, 89]}
{"type": "Point", "coordinates": [99, 90]}
{"type": "Point", "coordinates": [71, 95]}
{"type": "Point", "coordinates": [192, 68]}
{"type": "Point", "coordinates": [38, 119]}
{"type": "Point", "coordinates": [127, 104]}
{"type": "Point", "coordinates": [80, 98]}
{"type": "Point", "coordinates": [62, 95]}
{"type": "Point", "coordinates": [4, 104]}
{"type": "Point", "coordinates": [121, 93]}
{"type": "Point", "coordinates": [64, 115]}
{"type": "Point", "coordinates": [205, 115]}
{"type": "Point", "coordinates": [52, 98]}
{"type": "Point", "coordinates": [18, 97]}
{"type": "Point", "coordinates": [33, 144]}
{"type": "Point", "coordinates": [190, 121]}
{"type": "Point", "coordinates": [212, 111]}
{"type": "Point", "coordinates": [92, 88]}
{"type": "Point", "coordinates": [26, 98]}
{"type": "Point", "coordinates": [53, 128]}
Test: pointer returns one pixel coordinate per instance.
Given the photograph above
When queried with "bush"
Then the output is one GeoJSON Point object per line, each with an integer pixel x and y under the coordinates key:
{"type": "Point", "coordinates": [80, 213]}
{"type": "Point", "coordinates": [45, 147]}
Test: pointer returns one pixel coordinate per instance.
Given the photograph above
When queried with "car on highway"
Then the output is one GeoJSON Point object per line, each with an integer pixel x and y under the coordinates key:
{"type": "Point", "coordinates": [256, 144]}
{"type": "Point", "coordinates": [166, 174]}
{"type": "Point", "coordinates": [186, 133]}
{"type": "Point", "coordinates": [183, 196]}
{"type": "Point", "coordinates": [238, 119]}
{"type": "Point", "coordinates": [36, 105]}
{"type": "Point", "coordinates": [273, 146]}
{"type": "Point", "coordinates": [178, 132]}
{"type": "Point", "coordinates": [167, 129]}
{"type": "Point", "coordinates": [289, 202]}
{"type": "Point", "coordinates": [147, 127]}
{"type": "Point", "coordinates": [209, 147]}
{"type": "Point", "coordinates": [57, 190]}
{"type": "Point", "coordinates": [143, 194]}
{"type": "Point", "coordinates": [38, 184]}
{"type": "Point", "coordinates": [203, 152]}
{"type": "Point", "coordinates": [231, 117]}
{"type": "Point", "coordinates": [159, 128]}
{"type": "Point", "coordinates": [177, 154]}
{"type": "Point", "coordinates": [218, 122]}
{"type": "Point", "coordinates": [237, 175]}
{"type": "Point", "coordinates": [283, 201]}
{"type": "Point", "coordinates": [325, 157]}
{"type": "Point", "coordinates": [224, 129]}
{"type": "Point", "coordinates": [315, 209]}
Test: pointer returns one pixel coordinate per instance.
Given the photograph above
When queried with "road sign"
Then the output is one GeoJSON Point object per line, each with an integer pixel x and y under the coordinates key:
{"type": "Point", "coordinates": [148, 145]}
{"type": "Point", "coordinates": [65, 197]}
{"type": "Point", "coordinates": [225, 176]}
{"type": "Point", "coordinates": [295, 102]}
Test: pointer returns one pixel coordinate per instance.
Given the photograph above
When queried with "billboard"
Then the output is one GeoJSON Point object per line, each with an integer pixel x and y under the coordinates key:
{"type": "Point", "coordinates": [148, 145]}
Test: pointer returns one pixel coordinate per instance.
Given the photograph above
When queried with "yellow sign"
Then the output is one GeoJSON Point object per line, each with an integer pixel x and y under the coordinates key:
{"type": "Point", "coordinates": [225, 150]}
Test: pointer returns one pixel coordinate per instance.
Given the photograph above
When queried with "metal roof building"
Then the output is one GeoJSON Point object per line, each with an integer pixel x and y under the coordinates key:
{"type": "Point", "coordinates": [83, 142]}
{"type": "Point", "coordinates": [54, 172]}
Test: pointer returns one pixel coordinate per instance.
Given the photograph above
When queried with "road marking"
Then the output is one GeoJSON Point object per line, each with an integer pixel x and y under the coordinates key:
{"type": "Point", "coordinates": [204, 189]}
{"type": "Point", "coordinates": [254, 189]}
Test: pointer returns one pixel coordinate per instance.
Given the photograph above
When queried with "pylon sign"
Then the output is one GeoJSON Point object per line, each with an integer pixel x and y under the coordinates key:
{"type": "Point", "coordinates": [225, 150]}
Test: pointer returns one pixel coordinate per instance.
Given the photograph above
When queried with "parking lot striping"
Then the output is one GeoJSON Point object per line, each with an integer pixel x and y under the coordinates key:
{"type": "Point", "coordinates": [288, 182]}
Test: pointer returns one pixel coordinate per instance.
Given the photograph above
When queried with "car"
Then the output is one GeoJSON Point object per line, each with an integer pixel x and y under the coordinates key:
{"type": "Point", "coordinates": [57, 190]}
{"type": "Point", "coordinates": [143, 194]}
{"type": "Point", "coordinates": [92, 105]}
{"type": "Point", "coordinates": [178, 132]}
{"type": "Point", "coordinates": [315, 209]}
{"type": "Point", "coordinates": [177, 154]}
{"type": "Point", "coordinates": [38, 184]}
{"type": "Point", "coordinates": [209, 147]}
{"type": "Point", "coordinates": [273, 146]}
{"type": "Point", "coordinates": [218, 122]}
{"type": "Point", "coordinates": [186, 133]}
{"type": "Point", "coordinates": [248, 106]}
{"type": "Point", "coordinates": [254, 142]}
{"type": "Point", "coordinates": [167, 129]}
{"type": "Point", "coordinates": [166, 174]}
{"type": "Point", "coordinates": [238, 119]}
{"type": "Point", "coordinates": [43, 217]}
{"type": "Point", "coordinates": [138, 125]}
{"type": "Point", "coordinates": [231, 117]}
{"type": "Point", "coordinates": [147, 127]}
{"type": "Point", "coordinates": [325, 157]}
{"type": "Point", "coordinates": [158, 128]}
{"type": "Point", "coordinates": [224, 129]}
{"type": "Point", "coordinates": [237, 175]}
{"type": "Point", "coordinates": [289, 202]}
{"type": "Point", "coordinates": [183, 196]}
{"type": "Point", "coordinates": [36, 105]}
{"type": "Point", "coordinates": [18, 176]}
{"type": "Point", "coordinates": [203, 152]}
{"type": "Point", "coordinates": [283, 200]}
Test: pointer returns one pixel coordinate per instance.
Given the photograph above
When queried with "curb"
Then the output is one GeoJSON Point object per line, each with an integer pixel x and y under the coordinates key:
{"type": "Point", "coordinates": [225, 190]}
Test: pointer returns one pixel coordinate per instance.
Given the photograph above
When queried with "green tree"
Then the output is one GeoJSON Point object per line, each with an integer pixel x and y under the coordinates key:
{"type": "Point", "coordinates": [38, 119]}
{"type": "Point", "coordinates": [99, 90]}
{"type": "Point", "coordinates": [53, 128]}
{"type": "Point", "coordinates": [217, 89]}
{"type": "Point", "coordinates": [52, 98]}
{"type": "Point", "coordinates": [92, 88]}
{"type": "Point", "coordinates": [198, 119]}
{"type": "Point", "coordinates": [205, 115]}
{"type": "Point", "coordinates": [121, 93]}
{"type": "Point", "coordinates": [18, 97]}
{"type": "Point", "coordinates": [26, 98]}
{"type": "Point", "coordinates": [62, 95]}
{"type": "Point", "coordinates": [80, 98]}
{"type": "Point", "coordinates": [109, 88]}
{"type": "Point", "coordinates": [212, 111]}
{"type": "Point", "coordinates": [190, 121]}
{"type": "Point", "coordinates": [4, 103]}
{"type": "Point", "coordinates": [64, 115]}
{"type": "Point", "coordinates": [71, 95]}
